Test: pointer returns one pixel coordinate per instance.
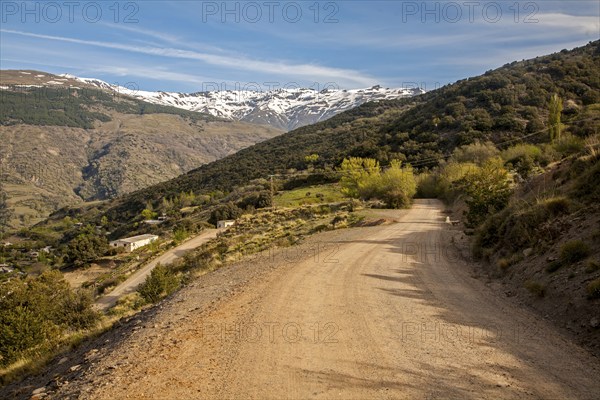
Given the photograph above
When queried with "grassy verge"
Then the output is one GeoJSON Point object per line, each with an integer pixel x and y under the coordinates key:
{"type": "Point", "coordinates": [309, 195]}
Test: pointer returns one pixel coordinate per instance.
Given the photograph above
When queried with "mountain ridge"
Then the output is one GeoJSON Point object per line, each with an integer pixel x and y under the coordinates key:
{"type": "Point", "coordinates": [66, 143]}
{"type": "Point", "coordinates": [505, 104]}
{"type": "Point", "coordinates": [281, 108]}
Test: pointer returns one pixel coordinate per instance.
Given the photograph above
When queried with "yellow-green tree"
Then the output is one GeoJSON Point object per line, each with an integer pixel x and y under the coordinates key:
{"type": "Point", "coordinates": [362, 178]}
{"type": "Point", "coordinates": [556, 107]}
{"type": "Point", "coordinates": [398, 185]}
{"type": "Point", "coordinates": [487, 191]}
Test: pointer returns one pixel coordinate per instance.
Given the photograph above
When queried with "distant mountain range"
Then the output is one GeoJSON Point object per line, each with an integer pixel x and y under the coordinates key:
{"type": "Point", "coordinates": [66, 139]}
{"type": "Point", "coordinates": [285, 109]}
{"type": "Point", "coordinates": [63, 142]}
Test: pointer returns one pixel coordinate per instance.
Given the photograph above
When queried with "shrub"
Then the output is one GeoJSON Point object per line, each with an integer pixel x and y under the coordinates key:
{"type": "Point", "coordinates": [523, 158]}
{"type": "Point", "coordinates": [558, 205]}
{"type": "Point", "coordinates": [554, 266]}
{"type": "Point", "coordinates": [573, 251]}
{"type": "Point", "coordinates": [362, 178]}
{"type": "Point", "coordinates": [535, 288]}
{"type": "Point", "coordinates": [179, 235]}
{"type": "Point", "coordinates": [226, 211]}
{"type": "Point", "coordinates": [592, 266]}
{"type": "Point", "coordinates": [398, 186]}
{"type": "Point", "coordinates": [487, 191]}
{"type": "Point", "coordinates": [586, 186]}
{"type": "Point", "coordinates": [159, 284]}
{"type": "Point", "coordinates": [503, 263]}
{"type": "Point", "coordinates": [36, 312]}
{"type": "Point", "coordinates": [568, 145]}
{"type": "Point", "coordinates": [593, 289]}
{"type": "Point", "coordinates": [521, 150]}
{"type": "Point", "coordinates": [477, 153]}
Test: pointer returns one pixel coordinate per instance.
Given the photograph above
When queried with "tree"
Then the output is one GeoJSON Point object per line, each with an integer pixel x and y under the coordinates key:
{"type": "Point", "coordinates": [487, 191]}
{"type": "Point", "coordinates": [226, 211]}
{"type": "Point", "coordinates": [159, 284]}
{"type": "Point", "coordinates": [398, 185]}
{"type": "Point", "coordinates": [477, 153]}
{"type": "Point", "coordinates": [85, 248]}
{"type": "Point", "coordinates": [5, 212]}
{"type": "Point", "coordinates": [311, 159]}
{"type": "Point", "coordinates": [148, 214]}
{"type": "Point", "coordinates": [359, 177]}
{"type": "Point", "coordinates": [556, 107]}
{"type": "Point", "coordinates": [36, 311]}
{"type": "Point", "coordinates": [362, 178]}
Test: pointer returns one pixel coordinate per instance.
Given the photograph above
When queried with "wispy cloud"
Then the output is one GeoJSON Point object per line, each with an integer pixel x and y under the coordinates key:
{"type": "Point", "coordinates": [280, 68]}
{"type": "Point", "coordinates": [572, 23]}
{"type": "Point", "coordinates": [549, 26]}
{"type": "Point", "coordinates": [165, 37]}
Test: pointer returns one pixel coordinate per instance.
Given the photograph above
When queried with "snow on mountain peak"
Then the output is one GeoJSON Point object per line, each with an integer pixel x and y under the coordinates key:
{"type": "Point", "coordinates": [285, 108]}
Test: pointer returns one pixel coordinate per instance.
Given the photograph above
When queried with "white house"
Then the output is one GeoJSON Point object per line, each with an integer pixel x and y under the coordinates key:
{"type": "Point", "coordinates": [134, 242]}
{"type": "Point", "coordinates": [226, 223]}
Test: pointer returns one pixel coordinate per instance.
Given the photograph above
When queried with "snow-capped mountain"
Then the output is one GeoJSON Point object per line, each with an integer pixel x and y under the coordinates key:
{"type": "Point", "coordinates": [282, 108]}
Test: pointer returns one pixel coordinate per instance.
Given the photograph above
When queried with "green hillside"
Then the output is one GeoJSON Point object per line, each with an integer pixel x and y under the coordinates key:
{"type": "Point", "coordinates": [508, 104]}
{"type": "Point", "coordinates": [76, 107]}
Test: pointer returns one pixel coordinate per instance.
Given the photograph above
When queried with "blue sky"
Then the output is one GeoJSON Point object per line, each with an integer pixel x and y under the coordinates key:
{"type": "Point", "coordinates": [202, 45]}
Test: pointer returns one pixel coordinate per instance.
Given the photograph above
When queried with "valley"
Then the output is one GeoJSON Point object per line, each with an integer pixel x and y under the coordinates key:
{"type": "Point", "coordinates": [296, 244]}
{"type": "Point", "coordinates": [47, 166]}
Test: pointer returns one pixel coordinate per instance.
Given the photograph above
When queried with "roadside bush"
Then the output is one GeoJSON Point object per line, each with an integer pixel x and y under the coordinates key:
{"type": "Point", "coordinates": [523, 158]}
{"type": "Point", "coordinates": [568, 145]}
{"type": "Point", "coordinates": [593, 289]}
{"type": "Point", "coordinates": [573, 251]}
{"type": "Point", "coordinates": [592, 266]}
{"type": "Point", "coordinates": [398, 186]}
{"type": "Point", "coordinates": [518, 226]}
{"type": "Point", "coordinates": [535, 288]}
{"type": "Point", "coordinates": [449, 177]}
{"type": "Point", "coordinates": [362, 178]}
{"type": "Point", "coordinates": [487, 191]}
{"type": "Point", "coordinates": [159, 284]}
{"type": "Point", "coordinates": [36, 312]}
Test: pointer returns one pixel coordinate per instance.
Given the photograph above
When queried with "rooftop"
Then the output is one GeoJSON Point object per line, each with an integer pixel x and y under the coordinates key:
{"type": "Point", "coordinates": [137, 238]}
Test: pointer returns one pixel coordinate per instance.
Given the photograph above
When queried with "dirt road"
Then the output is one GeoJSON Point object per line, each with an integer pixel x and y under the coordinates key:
{"type": "Point", "coordinates": [384, 312]}
{"type": "Point", "coordinates": [131, 284]}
